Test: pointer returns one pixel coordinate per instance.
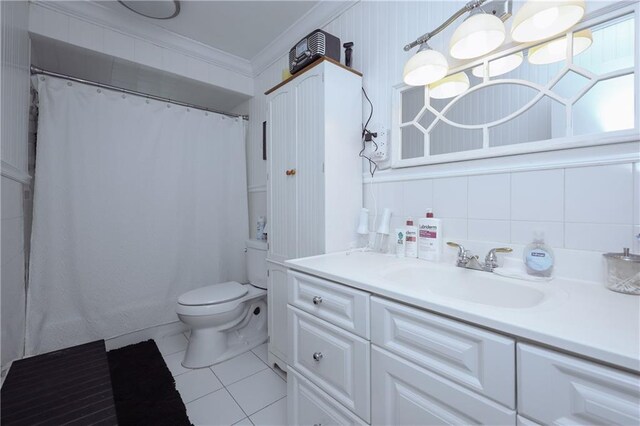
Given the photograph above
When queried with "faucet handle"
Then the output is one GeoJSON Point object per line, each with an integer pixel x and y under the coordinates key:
{"type": "Point", "coordinates": [460, 247]}
{"type": "Point", "coordinates": [492, 258]}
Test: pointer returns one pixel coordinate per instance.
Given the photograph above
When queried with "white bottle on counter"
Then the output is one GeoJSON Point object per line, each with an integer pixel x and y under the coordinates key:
{"type": "Point", "coordinates": [411, 239]}
{"type": "Point", "coordinates": [400, 242]}
{"type": "Point", "coordinates": [429, 237]}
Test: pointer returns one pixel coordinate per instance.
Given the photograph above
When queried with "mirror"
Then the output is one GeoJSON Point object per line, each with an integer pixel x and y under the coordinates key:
{"type": "Point", "coordinates": [534, 95]}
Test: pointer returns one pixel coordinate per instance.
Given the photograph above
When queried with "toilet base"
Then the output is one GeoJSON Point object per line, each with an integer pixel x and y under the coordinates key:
{"type": "Point", "coordinates": [198, 358]}
{"type": "Point", "coordinates": [208, 346]}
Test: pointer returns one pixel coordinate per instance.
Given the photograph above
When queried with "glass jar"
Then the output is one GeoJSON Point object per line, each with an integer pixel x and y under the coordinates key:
{"type": "Point", "coordinates": [623, 272]}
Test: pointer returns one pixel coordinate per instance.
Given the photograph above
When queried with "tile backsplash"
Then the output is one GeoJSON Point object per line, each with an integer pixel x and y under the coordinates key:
{"type": "Point", "coordinates": [594, 208]}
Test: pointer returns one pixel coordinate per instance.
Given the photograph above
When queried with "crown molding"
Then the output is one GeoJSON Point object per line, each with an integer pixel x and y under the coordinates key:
{"type": "Point", "coordinates": [100, 15]}
{"type": "Point", "coordinates": [317, 17]}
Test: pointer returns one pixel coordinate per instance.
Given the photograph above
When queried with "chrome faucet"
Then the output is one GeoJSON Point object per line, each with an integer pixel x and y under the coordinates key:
{"type": "Point", "coordinates": [469, 261]}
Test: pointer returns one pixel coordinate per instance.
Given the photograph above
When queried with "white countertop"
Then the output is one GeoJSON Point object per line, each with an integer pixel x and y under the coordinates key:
{"type": "Point", "coordinates": [579, 317]}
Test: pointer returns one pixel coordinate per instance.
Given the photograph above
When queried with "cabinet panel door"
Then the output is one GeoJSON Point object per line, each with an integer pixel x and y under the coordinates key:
{"type": "Point", "coordinates": [309, 177]}
{"type": "Point", "coordinates": [554, 388]}
{"type": "Point", "coordinates": [277, 312]}
{"type": "Point", "coordinates": [331, 358]}
{"type": "Point", "coordinates": [478, 359]}
{"type": "Point", "coordinates": [307, 404]}
{"type": "Point", "coordinates": [404, 394]}
{"type": "Point", "coordinates": [282, 158]}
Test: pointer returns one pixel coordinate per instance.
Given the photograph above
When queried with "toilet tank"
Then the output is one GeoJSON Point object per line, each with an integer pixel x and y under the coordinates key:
{"type": "Point", "coordinates": [257, 262]}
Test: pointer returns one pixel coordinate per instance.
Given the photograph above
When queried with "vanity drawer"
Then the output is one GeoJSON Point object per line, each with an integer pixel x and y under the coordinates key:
{"type": "Point", "coordinates": [335, 360]}
{"type": "Point", "coordinates": [562, 389]}
{"type": "Point", "coordinates": [406, 394]}
{"type": "Point", "coordinates": [343, 306]}
{"type": "Point", "coordinates": [478, 359]}
{"type": "Point", "coordinates": [307, 404]}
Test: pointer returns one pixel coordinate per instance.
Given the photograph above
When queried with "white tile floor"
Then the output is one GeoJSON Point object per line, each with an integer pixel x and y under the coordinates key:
{"type": "Point", "coordinates": [240, 391]}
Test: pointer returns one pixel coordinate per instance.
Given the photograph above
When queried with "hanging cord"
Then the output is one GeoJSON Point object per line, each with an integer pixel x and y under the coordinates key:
{"type": "Point", "coordinates": [373, 166]}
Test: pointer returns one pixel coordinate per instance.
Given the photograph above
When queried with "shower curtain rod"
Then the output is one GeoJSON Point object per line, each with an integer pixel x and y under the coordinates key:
{"type": "Point", "coordinates": [36, 70]}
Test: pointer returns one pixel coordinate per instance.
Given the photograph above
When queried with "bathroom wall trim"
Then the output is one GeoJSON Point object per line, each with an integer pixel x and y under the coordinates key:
{"type": "Point", "coordinates": [13, 173]}
{"type": "Point", "coordinates": [596, 156]}
{"type": "Point", "coordinates": [99, 15]}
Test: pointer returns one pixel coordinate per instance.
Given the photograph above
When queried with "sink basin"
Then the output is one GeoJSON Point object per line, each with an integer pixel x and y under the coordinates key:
{"type": "Point", "coordinates": [470, 286]}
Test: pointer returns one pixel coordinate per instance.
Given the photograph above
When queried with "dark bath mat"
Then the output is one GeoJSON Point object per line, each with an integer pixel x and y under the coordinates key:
{"type": "Point", "coordinates": [143, 387]}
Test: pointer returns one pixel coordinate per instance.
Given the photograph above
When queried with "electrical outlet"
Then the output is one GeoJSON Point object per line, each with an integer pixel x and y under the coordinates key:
{"type": "Point", "coordinates": [383, 146]}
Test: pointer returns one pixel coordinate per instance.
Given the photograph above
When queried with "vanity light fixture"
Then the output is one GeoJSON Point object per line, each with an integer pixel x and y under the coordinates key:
{"type": "Point", "coordinates": [425, 67]}
{"type": "Point", "coordinates": [556, 50]}
{"type": "Point", "coordinates": [499, 66]}
{"type": "Point", "coordinates": [481, 33]}
{"type": "Point", "coordinates": [449, 86]}
{"type": "Point", "coordinates": [541, 19]}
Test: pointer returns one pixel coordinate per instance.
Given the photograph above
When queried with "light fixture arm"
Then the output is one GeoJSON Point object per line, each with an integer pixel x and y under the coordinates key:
{"type": "Point", "coordinates": [473, 4]}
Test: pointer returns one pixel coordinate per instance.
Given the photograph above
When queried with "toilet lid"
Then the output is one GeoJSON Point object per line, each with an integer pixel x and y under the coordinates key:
{"type": "Point", "coordinates": [213, 294]}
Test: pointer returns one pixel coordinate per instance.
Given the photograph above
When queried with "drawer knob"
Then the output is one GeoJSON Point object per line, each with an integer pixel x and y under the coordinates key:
{"type": "Point", "coordinates": [317, 300]}
{"type": "Point", "coordinates": [317, 356]}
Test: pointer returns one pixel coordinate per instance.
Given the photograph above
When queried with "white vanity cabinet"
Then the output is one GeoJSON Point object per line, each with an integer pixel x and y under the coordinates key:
{"type": "Point", "coordinates": [314, 172]}
{"type": "Point", "coordinates": [357, 358]}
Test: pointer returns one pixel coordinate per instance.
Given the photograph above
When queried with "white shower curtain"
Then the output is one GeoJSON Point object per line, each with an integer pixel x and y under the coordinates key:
{"type": "Point", "coordinates": [136, 202]}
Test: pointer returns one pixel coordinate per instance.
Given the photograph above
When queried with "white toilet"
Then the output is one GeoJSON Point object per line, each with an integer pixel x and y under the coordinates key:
{"type": "Point", "coordinates": [229, 318]}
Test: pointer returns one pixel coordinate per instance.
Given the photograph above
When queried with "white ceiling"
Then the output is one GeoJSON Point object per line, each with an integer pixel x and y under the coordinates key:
{"type": "Point", "coordinates": [242, 28]}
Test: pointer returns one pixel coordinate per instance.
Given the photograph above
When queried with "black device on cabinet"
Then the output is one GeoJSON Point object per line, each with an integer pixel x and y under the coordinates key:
{"type": "Point", "coordinates": [315, 45]}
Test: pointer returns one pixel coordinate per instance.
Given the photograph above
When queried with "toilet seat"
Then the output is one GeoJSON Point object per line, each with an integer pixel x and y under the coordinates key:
{"type": "Point", "coordinates": [213, 294]}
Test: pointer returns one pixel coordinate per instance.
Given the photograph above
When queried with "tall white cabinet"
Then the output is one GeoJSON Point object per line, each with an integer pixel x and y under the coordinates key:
{"type": "Point", "coordinates": [314, 176]}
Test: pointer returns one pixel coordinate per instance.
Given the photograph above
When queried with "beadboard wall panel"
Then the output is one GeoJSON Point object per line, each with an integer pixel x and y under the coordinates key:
{"type": "Point", "coordinates": [15, 121]}
{"type": "Point", "coordinates": [15, 85]}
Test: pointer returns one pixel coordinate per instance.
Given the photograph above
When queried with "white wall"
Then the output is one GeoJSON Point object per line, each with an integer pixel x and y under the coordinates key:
{"type": "Point", "coordinates": [586, 208]}
{"type": "Point", "coordinates": [15, 115]}
{"type": "Point", "coordinates": [90, 26]}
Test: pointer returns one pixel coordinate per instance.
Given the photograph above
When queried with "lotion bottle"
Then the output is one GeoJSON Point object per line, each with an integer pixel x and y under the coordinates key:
{"type": "Point", "coordinates": [429, 237]}
{"type": "Point", "coordinates": [411, 239]}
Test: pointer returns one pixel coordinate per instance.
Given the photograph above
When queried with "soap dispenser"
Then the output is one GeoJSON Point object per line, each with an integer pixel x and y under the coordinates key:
{"type": "Point", "coordinates": [538, 257]}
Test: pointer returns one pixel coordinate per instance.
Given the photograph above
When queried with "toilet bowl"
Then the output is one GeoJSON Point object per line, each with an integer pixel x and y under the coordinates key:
{"type": "Point", "coordinates": [229, 318]}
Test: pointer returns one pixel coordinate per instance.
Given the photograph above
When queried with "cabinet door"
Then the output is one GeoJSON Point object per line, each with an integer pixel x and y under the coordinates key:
{"type": "Point", "coordinates": [281, 197]}
{"type": "Point", "coordinates": [404, 394]}
{"type": "Point", "coordinates": [554, 388]}
{"type": "Point", "coordinates": [307, 404]}
{"type": "Point", "coordinates": [472, 357]}
{"type": "Point", "coordinates": [277, 312]}
{"type": "Point", "coordinates": [309, 177]}
{"type": "Point", "coordinates": [331, 358]}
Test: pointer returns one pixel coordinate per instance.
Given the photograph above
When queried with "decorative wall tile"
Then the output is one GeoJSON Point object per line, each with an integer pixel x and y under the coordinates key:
{"type": "Point", "coordinates": [598, 237]}
{"type": "Point", "coordinates": [417, 197]}
{"type": "Point", "coordinates": [522, 232]}
{"type": "Point", "coordinates": [538, 195]}
{"type": "Point", "coordinates": [601, 194]}
{"type": "Point", "coordinates": [489, 196]}
{"type": "Point", "coordinates": [489, 230]}
{"type": "Point", "coordinates": [450, 197]}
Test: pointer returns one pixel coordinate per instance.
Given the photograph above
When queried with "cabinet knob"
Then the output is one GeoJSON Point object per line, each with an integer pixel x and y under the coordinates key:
{"type": "Point", "coordinates": [288, 172]}
{"type": "Point", "coordinates": [293, 172]}
{"type": "Point", "coordinates": [317, 356]}
{"type": "Point", "coordinates": [317, 300]}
